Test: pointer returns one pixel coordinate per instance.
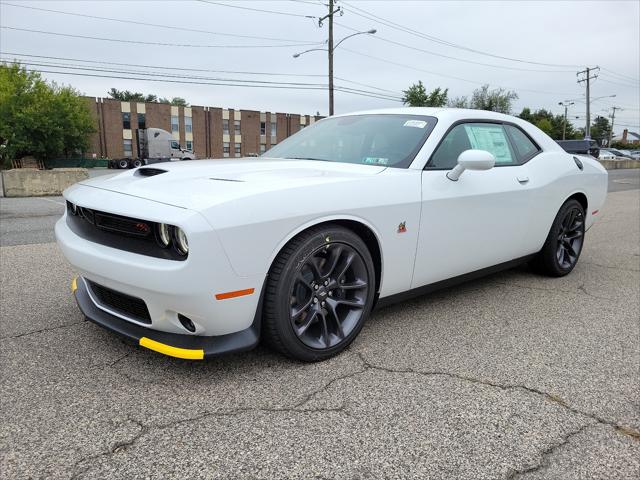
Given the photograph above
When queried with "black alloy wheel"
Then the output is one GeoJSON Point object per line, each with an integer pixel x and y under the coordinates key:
{"type": "Point", "coordinates": [570, 238]}
{"type": "Point", "coordinates": [319, 293]}
{"type": "Point", "coordinates": [563, 245]}
{"type": "Point", "coordinates": [328, 295]}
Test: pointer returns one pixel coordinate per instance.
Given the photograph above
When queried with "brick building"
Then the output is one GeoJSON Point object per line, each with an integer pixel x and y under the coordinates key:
{"type": "Point", "coordinates": [211, 132]}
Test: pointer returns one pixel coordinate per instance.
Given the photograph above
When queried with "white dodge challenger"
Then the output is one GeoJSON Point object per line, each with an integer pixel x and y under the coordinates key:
{"type": "Point", "coordinates": [200, 258]}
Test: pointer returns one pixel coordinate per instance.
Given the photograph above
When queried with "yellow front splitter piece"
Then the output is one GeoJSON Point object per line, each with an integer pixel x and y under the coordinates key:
{"type": "Point", "coordinates": [186, 353]}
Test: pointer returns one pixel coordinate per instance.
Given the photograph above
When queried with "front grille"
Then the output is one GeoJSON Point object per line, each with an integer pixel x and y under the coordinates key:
{"type": "Point", "coordinates": [124, 304]}
{"type": "Point", "coordinates": [117, 231]}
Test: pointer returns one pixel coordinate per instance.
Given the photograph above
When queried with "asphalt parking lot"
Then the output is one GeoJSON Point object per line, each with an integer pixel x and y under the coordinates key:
{"type": "Point", "coordinates": [511, 376]}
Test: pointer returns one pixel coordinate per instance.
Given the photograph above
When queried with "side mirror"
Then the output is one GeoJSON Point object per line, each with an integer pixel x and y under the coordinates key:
{"type": "Point", "coordinates": [472, 160]}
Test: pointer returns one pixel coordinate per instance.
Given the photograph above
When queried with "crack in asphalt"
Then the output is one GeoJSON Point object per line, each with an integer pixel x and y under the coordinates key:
{"type": "Point", "coordinates": [581, 288]}
{"type": "Point", "coordinates": [612, 267]}
{"type": "Point", "coordinates": [623, 429]}
{"type": "Point", "coordinates": [46, 329]}
{"type": "Point", "coordinates": [548, 452]}
{"type": "Point", "coordinates": [299, 407]}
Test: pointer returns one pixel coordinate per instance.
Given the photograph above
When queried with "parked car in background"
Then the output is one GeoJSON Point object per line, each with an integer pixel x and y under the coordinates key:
{"type": "Point", "coordinates": [606, 155]}
{"type": "Point", "coordinates": [195, 259]}
{"type": "Point", "coordinates": [617, 153]}
{"type": "Point", "coordinates": [581, 147]}
{"type": "Point", "coordinates": [631, 154]}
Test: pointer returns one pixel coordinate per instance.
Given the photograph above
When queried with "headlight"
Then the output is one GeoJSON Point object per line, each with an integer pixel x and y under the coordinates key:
{"type": "Point", "coordinates": [164, 236]}
{"type": "Point", "coordinates": [181, 241]}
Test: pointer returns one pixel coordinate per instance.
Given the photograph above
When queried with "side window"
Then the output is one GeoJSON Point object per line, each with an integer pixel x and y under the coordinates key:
{"type": "Point", "coordinates": [524, 147]}
{"type": "Point", "coordinates": [478, 136]}
{"type": "Point", "coordinates": [175, 145]}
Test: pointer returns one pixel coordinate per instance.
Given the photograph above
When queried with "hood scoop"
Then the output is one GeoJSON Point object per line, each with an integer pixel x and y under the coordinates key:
{"type": "Point", "coordinates": [149, 172]}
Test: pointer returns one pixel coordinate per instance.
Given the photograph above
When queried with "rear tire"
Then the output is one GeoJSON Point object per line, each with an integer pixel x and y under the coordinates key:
{"type": "Point", "coordinates": [563, 246]}
{"type": "Point", "coordinates": [136, 163]}
{"type": "Point", "coordinates": [123, 163]}
{"type": "Point", "coordinates": [319, 293]}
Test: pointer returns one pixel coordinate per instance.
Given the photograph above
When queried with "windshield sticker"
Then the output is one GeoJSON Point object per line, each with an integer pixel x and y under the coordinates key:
{"type": "Point", "coordinates": [490, 138]}
{"type": "Point", "coordinates": [415, 123]}
{"type": "Point", "coordinates": [376, 161]}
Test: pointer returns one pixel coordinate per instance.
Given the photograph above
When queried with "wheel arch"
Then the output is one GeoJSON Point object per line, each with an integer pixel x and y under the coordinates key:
{"type": "Point", "coordinates": [367, 233]}
{"type": "Point", "coordinates": [581, 198]}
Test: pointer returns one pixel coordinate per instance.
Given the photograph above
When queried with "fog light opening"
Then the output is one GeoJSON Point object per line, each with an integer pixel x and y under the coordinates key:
{"type": "Point", "coordinates": [186, 323]}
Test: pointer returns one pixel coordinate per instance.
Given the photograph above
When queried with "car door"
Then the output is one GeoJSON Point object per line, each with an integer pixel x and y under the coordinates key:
{"type": "Point", "coordinates": [477, 221]}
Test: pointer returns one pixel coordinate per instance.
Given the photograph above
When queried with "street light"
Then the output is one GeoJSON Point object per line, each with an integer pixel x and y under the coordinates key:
{"type": "Point", "coordinates": [330, 49]}
{"type": "Point", "coordinates": [566, 104]}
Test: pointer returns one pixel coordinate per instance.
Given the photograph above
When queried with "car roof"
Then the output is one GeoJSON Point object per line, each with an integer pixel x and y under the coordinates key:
{"type": "Point", "coordinates": [452, 115]}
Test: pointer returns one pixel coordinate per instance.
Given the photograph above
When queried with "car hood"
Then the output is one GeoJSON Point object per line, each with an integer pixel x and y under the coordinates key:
{"type": "Point", "coordinates": [199, 184]}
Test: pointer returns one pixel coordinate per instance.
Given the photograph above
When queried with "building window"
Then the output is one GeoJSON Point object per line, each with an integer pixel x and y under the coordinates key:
{"type": "Point", "coordinates": [142, 120]}
{"type": "Point", "coordinates": [188, 125]}
{"type": "Point", "coordinates": [263, 128]}
{"type": "Point", "coordinates": [273, 129]}
{"type": "Point", "coordinates": [189, 144]}
{"type": "Point", "coordinates": [127, 147]}
{"type": "Point", "coordinates": [236, 148]}
{"type": "Point", "coordinates": [126, 120]}
{"type": "Point", "coordinates": [225, 149]}
{"type": "Point", "coordinates": [225, 127]}
{"type": "Point", "coordinates": [263, 148]}
{"type": "Point", "coordinates": [175, 127]}
{"type": "Point", "coordinates": [236, 126]}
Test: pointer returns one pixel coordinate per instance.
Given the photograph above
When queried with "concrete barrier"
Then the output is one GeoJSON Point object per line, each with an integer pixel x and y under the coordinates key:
{"type": "Point", "coordinates": [622, 163]}
{"type": "Point", "coordinates": [31, 182]}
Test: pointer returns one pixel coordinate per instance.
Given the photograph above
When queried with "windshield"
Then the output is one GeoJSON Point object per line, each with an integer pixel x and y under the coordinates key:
{"type": "Point", "coordinates": [383, 140]}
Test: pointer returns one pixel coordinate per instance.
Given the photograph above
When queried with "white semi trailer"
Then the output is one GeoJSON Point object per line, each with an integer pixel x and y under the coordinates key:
{"type": "Point", "coordinates": [154, 145]}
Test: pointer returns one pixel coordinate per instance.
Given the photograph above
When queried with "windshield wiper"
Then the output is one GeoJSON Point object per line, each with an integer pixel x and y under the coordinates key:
{"type": "Point", "coordinates": [307, 158]}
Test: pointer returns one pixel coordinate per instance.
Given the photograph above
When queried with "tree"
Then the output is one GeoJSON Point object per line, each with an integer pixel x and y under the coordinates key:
{"type": "Point", "coordinates": [552, 125]}
{"type": "Point", "coordinates": [496, 100]}
{"type": "Point", "coordinates": [176, 101]}
{"type": "Point", "coordinates": [458, 102]}
{"type": "Point", "coordinates": [600, 129]}
{"type": "Point", "coordinates": [40, 119]}
{"type": "Point", "coordinates": [127, 96]}
{"type": "Point", "coordinates": [416, 96]}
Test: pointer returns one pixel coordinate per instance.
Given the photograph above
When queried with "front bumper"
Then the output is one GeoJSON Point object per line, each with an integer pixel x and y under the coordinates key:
{"type": "Point", "coordinates": [190, 347]}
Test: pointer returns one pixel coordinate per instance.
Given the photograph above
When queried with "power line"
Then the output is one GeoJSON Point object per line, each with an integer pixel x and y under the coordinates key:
{"type": "Point", "coordinates": [411, 67]}
{"type": "Point", "coordinates": [611, 72]}
{"type": "Point", "coordinates": [289, 14]}
{"type": "Point", "coordinates": [157, 25]}
{"type": "Point", "coordinates": [620, 84]}
{"type": "Point", "coordinates": [397, 26]}
{"type": "Point", "coordinates": [118, 40]}
{"type": "Point", "coordinates": [417, 49]}
{"type": "Point", "coordinates": [186, 80]}
{"type": "Point", "coordinates": [164, 66]}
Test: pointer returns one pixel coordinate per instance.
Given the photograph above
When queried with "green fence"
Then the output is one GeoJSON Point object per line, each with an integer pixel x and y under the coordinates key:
{"type": "Point", "coordinates": [76, 163]}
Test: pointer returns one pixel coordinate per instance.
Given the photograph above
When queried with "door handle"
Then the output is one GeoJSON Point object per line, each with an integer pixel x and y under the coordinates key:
{"type": "Point", "coordinates": [523, 180]}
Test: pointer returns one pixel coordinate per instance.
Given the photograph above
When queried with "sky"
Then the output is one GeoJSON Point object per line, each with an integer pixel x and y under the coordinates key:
{"type": "Point", "coordinates": [223, 47]}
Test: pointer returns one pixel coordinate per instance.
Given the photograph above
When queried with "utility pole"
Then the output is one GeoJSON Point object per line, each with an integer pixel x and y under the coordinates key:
{"type": "Point", "coordinates": [588, 76]}
{"type": "Point", "coordinates": [566, 104]}
{"type": "Point", "coordinates": [613, 119]}
{"type": "Point", "coordinates": [329, 16]}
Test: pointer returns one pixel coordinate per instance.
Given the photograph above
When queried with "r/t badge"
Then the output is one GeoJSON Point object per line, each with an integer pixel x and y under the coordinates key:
{"type": "Point", "coordinates": [402, 228]}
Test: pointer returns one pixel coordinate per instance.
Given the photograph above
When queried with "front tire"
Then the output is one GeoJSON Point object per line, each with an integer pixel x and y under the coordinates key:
{"type": "Point", "coordinates": [319, 293]}
{"type": "Point", "coordinates": [563, 246]}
